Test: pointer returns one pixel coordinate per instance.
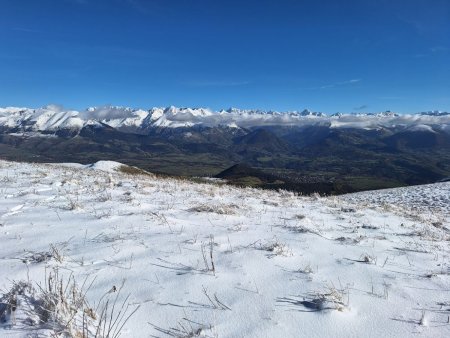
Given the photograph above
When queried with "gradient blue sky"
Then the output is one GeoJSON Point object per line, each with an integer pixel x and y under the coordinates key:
{"type": "Point", "coordinates": [284, 55]}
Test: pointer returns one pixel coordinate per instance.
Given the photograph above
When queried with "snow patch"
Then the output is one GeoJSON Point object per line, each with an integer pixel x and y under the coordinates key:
{"type": "Point", "coordinates": [108, 166]}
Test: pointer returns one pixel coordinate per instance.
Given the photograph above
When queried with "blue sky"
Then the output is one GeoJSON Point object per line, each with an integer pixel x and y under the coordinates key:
{"type": "Point", "coordinates": [327, 56]}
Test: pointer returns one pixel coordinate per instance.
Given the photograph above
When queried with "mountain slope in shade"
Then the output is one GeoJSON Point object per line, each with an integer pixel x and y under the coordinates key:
{"type": "Point", "coordinates": [241, 170]}
{"type": "Point", "coordinates": [260, 140]}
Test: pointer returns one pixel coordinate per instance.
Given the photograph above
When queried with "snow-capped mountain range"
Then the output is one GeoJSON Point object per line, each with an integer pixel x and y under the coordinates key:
{"type": "Point", "coordinates": [52, 118]}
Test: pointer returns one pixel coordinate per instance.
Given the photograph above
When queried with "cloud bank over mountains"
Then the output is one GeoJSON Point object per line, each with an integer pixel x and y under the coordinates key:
{"type": "Point", "coordinates": [54, 117]}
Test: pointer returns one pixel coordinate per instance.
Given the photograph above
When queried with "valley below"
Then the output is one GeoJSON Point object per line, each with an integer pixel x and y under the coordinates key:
{"type": "Point", "coordinates": [305, 152]}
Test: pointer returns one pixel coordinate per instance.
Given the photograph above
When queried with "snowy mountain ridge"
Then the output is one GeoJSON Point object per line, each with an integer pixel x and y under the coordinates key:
{"type": "Point", "coordinates": [52, 118]}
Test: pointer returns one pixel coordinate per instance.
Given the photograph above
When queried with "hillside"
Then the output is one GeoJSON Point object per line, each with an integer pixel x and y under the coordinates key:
{"type": "Point", "coordinates": [206, 260]}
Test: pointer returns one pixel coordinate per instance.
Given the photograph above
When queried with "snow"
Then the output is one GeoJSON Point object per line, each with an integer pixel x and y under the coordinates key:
{"type": "Point", "coordinates": [108, 166]}
{"type": "Point", "coordinates": [371, 264]}
{"type": "Point", "coordinates": [46, 120]}
{"type": "Point", "coordinates": [429, 201]}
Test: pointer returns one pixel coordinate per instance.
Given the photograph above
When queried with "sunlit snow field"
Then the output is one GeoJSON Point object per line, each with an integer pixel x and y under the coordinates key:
{"type": "Point", "coordinates": [211, 260]}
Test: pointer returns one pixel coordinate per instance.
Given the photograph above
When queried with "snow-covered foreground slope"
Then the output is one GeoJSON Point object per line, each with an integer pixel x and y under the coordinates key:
{"type": "Point", "coordinates": [218, 261]}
